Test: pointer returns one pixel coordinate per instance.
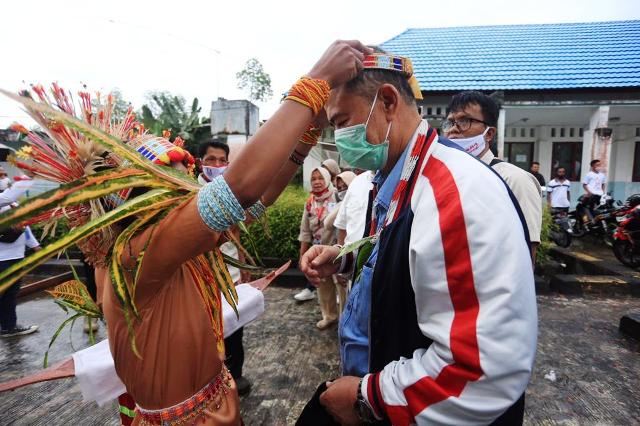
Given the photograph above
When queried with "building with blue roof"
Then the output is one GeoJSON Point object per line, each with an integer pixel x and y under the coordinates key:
{"type": "Point", "coordinates": [569, 92]}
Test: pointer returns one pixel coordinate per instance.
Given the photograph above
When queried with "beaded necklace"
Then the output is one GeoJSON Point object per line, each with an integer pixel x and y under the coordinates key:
{"type": "Point", "coordinates": [403, 191]}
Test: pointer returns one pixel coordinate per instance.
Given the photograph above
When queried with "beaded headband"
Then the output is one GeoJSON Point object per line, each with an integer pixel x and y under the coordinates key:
{"type": "Point", "coordinates": [402, 64]}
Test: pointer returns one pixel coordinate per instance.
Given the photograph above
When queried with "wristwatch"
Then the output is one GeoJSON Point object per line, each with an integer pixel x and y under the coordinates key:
{"type": "Point", "coordinates": [363, 410]}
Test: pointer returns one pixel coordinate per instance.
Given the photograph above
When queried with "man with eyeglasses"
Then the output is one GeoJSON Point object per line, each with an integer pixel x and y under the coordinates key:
{"type": "Point", "coordinates": [471, 124]}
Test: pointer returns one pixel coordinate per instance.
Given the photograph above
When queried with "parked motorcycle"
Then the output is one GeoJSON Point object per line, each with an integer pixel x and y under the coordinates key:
{"type": "Point", "coordinates": [626, 238]}
{"type": "Point", "coordinates": [562, 233]}
{"type": "Point", "coordinates": [604, 216]}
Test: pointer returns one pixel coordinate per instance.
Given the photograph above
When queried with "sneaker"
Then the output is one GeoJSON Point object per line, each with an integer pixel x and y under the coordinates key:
{"type": "Point", "coordinates": [305, 295]}
{"type": "Point", "coordinates": [325, 323]}
{"type": "Point", "coordinates": [243, 385]}
{"type": "Point", "coordinates": [90, 324]}
{"type": "Point", "coordinates": [19, 330]}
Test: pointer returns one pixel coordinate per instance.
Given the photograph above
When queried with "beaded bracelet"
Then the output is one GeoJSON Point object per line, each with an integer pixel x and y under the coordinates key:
{"type": "Point", "coordinates": [257, 210]}
{"type": "Point", "coordinates": [218, 207]}
{"type": "Point", "coordinates": [311, 92]}
{"type": "Point", "coordinates": [311, 136]}
{"type": "Point", "coordinates": [296, 160]}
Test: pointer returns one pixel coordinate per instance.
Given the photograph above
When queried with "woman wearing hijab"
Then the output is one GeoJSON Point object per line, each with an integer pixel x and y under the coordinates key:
{"type": "Point", "coordinates": [320, 204]}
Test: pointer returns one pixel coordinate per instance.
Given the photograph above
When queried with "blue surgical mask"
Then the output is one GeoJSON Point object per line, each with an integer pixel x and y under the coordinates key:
{"type": "Point", "coordinates": [354, 149]}
{"type": "Point", "coordinates": [213, 172]}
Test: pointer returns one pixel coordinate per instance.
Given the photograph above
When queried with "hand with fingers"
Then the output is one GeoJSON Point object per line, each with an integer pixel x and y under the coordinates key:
{"type": "Point", "coordinates": [319, 262]}
{"type": "Point", "coordinates": [341, 62]}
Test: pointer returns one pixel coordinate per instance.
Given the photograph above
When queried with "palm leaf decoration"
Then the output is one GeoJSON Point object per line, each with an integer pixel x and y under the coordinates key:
{"type": "Point", "coordinates": [97, 161]}
{"type": "Point", "coordinates": [72, 295]}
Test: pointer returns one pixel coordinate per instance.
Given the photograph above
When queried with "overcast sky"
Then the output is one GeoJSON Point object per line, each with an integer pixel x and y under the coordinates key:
{"type": "Point", "coordinates": [138, 46]}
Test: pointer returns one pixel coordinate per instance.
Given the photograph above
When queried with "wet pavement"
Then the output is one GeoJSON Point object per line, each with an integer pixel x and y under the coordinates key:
{"type": "Point", "coordinates": [596, 369]}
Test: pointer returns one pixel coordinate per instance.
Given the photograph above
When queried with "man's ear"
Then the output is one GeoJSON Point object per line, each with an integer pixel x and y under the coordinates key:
{"type": "Point", "coordinates": [390, 98]}
{"type": "Point", "coordinates": [488, 137]}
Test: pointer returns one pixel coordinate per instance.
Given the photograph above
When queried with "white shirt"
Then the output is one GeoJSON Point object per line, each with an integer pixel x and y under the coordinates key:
{"type": "Point", "coordinates": [353, 209]}
{"type": "Point", "coordinates": [594, 182]}
{"type": "Point", "coordinates": [15, 250]}
{"type": "Point", "coordinates": [526, 188]}
{"type": "Point", "coordinates": [13, 193]}
{"type": "Point", "coordinates": [5, 183]}
{"type": "Point", "coordinates": [559, 193]}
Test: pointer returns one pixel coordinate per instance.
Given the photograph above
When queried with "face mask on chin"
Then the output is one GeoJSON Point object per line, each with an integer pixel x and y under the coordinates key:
{"type": "Point", "coordinates": [357, 151]}
{"type": "Point", "coordinates": [213, 172]}
{"type": "Point", "coordinates": [473, 145]}
{"type": "Point", "coordinates": [341, 194]}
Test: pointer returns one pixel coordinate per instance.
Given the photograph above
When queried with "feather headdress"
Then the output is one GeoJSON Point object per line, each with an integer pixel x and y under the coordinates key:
{"type": "Point", "coordinates": [97, 161]}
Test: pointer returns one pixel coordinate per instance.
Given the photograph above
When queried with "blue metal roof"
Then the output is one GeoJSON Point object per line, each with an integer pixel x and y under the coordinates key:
{"type": "Point", "coordinates": [523, 57]}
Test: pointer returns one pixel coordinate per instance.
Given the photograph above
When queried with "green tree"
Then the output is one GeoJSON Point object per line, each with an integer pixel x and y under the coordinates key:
{"type": "Point", "coordinates": [254, 79]}
{"type": "Point", "coordinates": [120, 105]}
{"type": "Point", "coordinates": [164, 111]}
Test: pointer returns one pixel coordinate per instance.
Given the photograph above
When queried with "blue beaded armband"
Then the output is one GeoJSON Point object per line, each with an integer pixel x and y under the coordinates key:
{"type": "Point", "coordinates": [218, 207]}
{"type": "Point", "coordinates": [257, 210]}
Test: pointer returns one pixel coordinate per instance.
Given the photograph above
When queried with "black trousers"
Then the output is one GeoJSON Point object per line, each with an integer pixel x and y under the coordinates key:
{"type": "Point", "coordinates": [90, 279]}
{"type": "Point", "coordinates": [9, 300]}
{"type": "Point", "coordinates": [235, 353]}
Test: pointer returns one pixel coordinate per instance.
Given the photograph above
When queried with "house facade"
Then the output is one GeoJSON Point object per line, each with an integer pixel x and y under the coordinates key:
{"type": "Point", "coordinates": [569, 93]}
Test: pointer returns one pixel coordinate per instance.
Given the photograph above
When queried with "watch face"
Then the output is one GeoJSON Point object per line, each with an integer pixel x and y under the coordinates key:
{"type": "Point", "coordinates": [364, 412]}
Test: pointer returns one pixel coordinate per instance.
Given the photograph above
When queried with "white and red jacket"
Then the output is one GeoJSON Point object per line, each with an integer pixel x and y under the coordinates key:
{"type": "Point", "coordinates": [469, 295]}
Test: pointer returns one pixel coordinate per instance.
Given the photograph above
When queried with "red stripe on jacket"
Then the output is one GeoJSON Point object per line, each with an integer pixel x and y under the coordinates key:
{"type": "Point", "coordinates": [463, 337]}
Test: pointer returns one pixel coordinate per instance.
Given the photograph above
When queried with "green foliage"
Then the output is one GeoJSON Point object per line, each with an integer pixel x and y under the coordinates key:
{"type": "Point", "coordinates": [164, 111]}
{"type": "Point", "coordinates": [256, 80]}
{"type": "Point", "coordinates": [284, 226]}
{"type": "Point", "coordinates": [120, 106]}
{"type": "Point", "coordinates": [542, 254]}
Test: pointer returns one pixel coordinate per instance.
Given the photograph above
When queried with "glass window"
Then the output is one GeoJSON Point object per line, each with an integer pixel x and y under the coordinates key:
{"type": "Point", "coordinates": [581, 132]}
{"type": "Point", "coordinates": [562, 132]}
{"type": "Point", "coordinates": [429, 110]}
{"type": "Point", "coordinates": [553, 132]}
{"type": "Point", "coordinates": [569, 156]}
{"type": "Point", "coordinates": [519, 153]}
{"type": "Point", "coordinates": [637, 131]}
{"type": "Point", "coordinates": [513, 132]}
{"type": "Point", "coordinates": [522, 132]}
{"type": "Point", "coordinates": [438, 111]}
{"type": "Point", "coordinates": [532, 132]}
{"type": "Point", "coordinates": [571, 132]}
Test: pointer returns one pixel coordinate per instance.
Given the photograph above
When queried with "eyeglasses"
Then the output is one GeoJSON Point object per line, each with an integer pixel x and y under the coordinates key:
{"type": "Point", "coordinates": [463, 124]}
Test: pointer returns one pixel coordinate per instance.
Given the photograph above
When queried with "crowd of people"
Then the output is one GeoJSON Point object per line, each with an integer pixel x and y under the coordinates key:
{"type": "Point", "coordinates": [423, 255]}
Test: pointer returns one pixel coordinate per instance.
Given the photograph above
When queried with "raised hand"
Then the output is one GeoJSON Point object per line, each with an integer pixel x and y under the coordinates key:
{"type": "Point", "coordinates": [340, 62]}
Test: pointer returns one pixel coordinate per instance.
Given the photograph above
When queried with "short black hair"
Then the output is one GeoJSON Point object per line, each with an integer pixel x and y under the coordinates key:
{"type": "Point", "coordinates": [534, 163]}
{"type": "Point", "coordinates": [594, 162]}
{"type": "Point", "coordinates": [212, 143]}
{"type": "Point", "coordinates": [490, 108]}
{"type": "Point", "coordinates": [367, 82]}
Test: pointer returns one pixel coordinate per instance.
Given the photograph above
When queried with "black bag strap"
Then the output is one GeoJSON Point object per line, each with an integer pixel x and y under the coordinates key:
{"type": "Point", "coordinates": [495, 161]}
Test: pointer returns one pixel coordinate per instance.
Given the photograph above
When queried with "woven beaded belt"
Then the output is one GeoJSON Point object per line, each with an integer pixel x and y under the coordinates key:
{"type": "Point", "coordinates": [189, 410]}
